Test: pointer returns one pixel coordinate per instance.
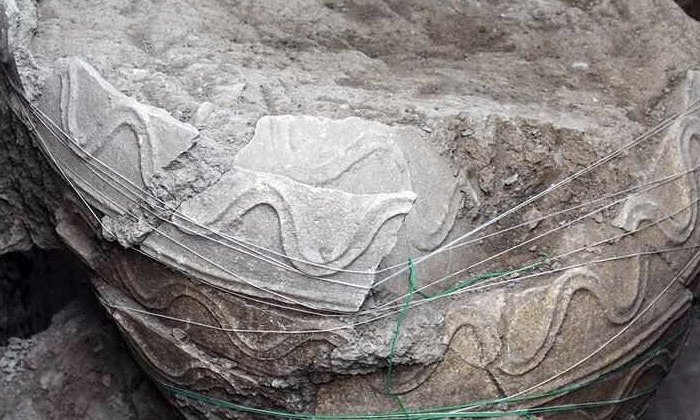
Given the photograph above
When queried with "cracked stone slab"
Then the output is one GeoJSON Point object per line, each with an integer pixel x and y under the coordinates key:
{"type": "Point", "coordinates": [132, 139]}
{"type": "Point", "coordinates": [321, 226]}
{"type": "Point", "coordinates": [360, 156]}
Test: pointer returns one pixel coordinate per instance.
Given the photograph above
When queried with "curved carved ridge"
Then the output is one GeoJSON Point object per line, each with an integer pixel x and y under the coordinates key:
{"type": "Point", "coordinates": [334, 154]}
{"type": "Point", "coordinates": [173, 357]}
{"type": "Point", "coordinates": [226, 311]}
{"type": "Point", "coordinates": [406, 378]}
{"type": "Point", "coordinates": [478, 319]}
{"type": "Point", "coordinates": [633, 383]}
{"type": "Point", "coordinates": [650, 328]}
{"type": "Point", "coordinates": [306, 215]}
{"type": "Point", "coordinates": [133, 139]}
{"type": "Point", "coordinates": [678, 153]}
{"type": "Point", "coordinates": [428, 223]}
{"type": "Point", "coordinates": [539, 312]}
{"type": "Point", "coordinates": [691, 91]}
{"type": "Point", "coordinates": [675, 158]}
{"type": "Point", "coordinates": [630, 381]}
{"type": "Point", "coordinates": [92, 110]}
{"type": "Point", "coordinates": [128, 137]}
{"type": "Point", "coordinates": [656, 324]}
{"type": "Point", "coordinates": [431, 233]}
{"type": "Point", "coordinates": [360, 156]}
{"type": "Point", "coordinates": [180, 362]}
{"type": "Point", "coordinates": [437, 190]}
{"type": "Point", "coordinates": [678, 229]}
{"type": "Point", "coordinates": [686, 131]}
{"type": "Point", "coordinates": [148, 343]}
{"type": "Point", "coordinates": [357, 230]}
{"type": "Point", "coordinates": [348, 231]}
{"type": "Point", "coordinates": [319, 151]}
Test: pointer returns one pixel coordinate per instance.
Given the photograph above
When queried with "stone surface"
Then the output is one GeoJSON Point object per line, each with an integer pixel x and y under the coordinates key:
{"type": "Point", "coordinates": [360, 156]}
{"type": "Point", "coordinates": [353, 154]}
{"type": "Point", "coordinates": [319, 226]}
{"type": "Point", "coordinates": [327, 193]}
{"type": "Point", "coordinates": [119, 144]}
{"type": "Point", "coordinates": [28, 193]}
{"type": "Point", "coordinates": [396, 128]}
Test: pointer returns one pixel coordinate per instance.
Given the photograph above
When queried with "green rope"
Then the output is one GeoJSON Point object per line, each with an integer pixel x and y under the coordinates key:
{"type": "Point", "coordinates": [485, 276]}
{"type": "Point", "coordinates": [414, 416]}
{"type": "Point", "coordinates": [439, 413]}
{"type": "Point", "coordinates": [403, 314]}
{"type": "Point", "coordinates": [389, 382]}
{"type": "Point", "coordinates": [445, 412]}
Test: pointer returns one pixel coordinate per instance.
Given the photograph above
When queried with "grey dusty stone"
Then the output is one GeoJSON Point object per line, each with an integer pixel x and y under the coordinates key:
{"type": "Point", "coordinates": [200, 117]}
{"type": "Point", "coordinates": [343, 154]}
{"type": "Point", "coordinates": [322, 226]}
{"type": "Point", "coordinates": [133, 140]}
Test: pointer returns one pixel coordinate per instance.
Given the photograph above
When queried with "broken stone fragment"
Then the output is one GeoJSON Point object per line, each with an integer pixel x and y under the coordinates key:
{"type": "Point", "coordinates": [361, 156]}
{"type": "Point", "coordinates": [322, 230]}
{"type": "Point", "coordinates": [120, 143]}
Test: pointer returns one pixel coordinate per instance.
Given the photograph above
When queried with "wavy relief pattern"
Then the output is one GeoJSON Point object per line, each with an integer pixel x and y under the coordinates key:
{"type": "Point", "coordinates": [331, 227]}
{"type": "Point", "coordinates": [676, 158]}
{"type": "Point", "coordinates": [177, 355]}
{"type": "Point", "coordinates": [538, 313]}
{"type": "Point", "coordinates": [438, 190]}
{"type": "Point", "coordinates": [161, 290]}
{"type": "Point", "coordinates": [472, 329]}
{"type": "Point", "coordinates": [360, 156]}
{"type": "Point", "coordinates": [132, 139]}
{"type": "Point", "coordinates": [476, 339]}
{"type": "Point", "coordinates": [350, 154]}
{"type": "Point", "coordinates": [118, 129]}
{"type": "Point", "coordinates": [433, 218]}
{"type": "Point", "coordinates": [319, 225]}
{"type": "Point", "coordinates": [679, 153]}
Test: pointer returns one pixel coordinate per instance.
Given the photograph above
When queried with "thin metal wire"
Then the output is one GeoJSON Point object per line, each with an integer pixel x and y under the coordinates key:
{"type": "Point", "coordinates": [664, 124]}
{"type": "Point", "coordinates": [617, 335]}
{"type": "Point", "coordinates": [391, 311]}
{"type": "Point", "coordinates": [380, 308]}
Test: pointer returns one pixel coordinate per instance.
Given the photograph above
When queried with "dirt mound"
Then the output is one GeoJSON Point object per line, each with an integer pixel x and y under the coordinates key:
{"type": "Point", "coordinates": [78, 368]}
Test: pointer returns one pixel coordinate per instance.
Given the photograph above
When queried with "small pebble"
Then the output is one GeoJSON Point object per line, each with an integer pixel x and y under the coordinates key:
{"type": "Point", "coordinates": [532, 214]}
{"type": "Point", "coordinates": [511, 179]}
{"type": "Point", "coordinates": [106, 380]}
{"type": "Point", "coordinates": [580, 65]}
{"type": "Point", "coordinates": [203, 112]}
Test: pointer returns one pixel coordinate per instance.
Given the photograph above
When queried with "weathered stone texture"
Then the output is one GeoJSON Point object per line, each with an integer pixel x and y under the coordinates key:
{"type": "Point", "coordinates": [304, 176]}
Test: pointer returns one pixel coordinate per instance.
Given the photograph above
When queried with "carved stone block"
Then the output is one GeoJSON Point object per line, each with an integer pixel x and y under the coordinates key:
{"type": "Point", "coordinates": [360, 156]}
{"type": "Point", "coordinates": [328, 160]}
{"type": "Point", "coordinates": [320, 230]}
{"type": "Point", "coordinates": [121, 143]}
